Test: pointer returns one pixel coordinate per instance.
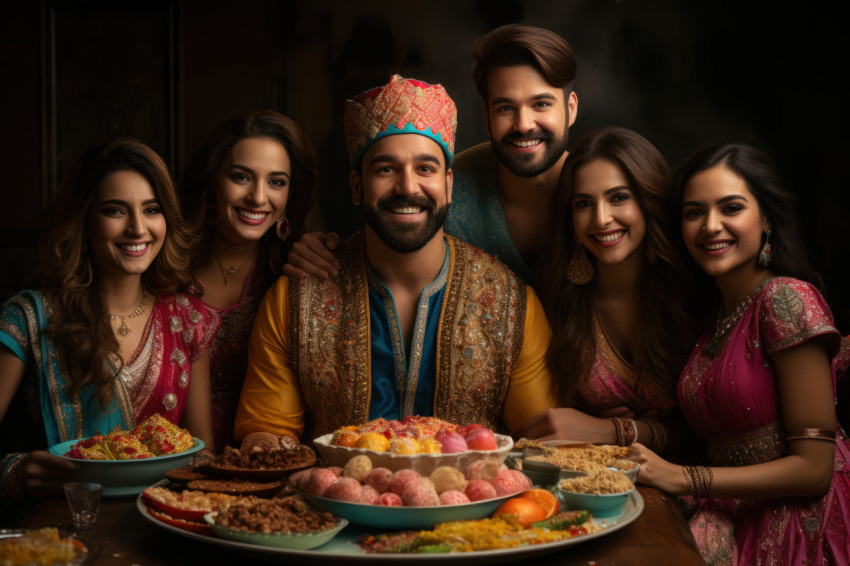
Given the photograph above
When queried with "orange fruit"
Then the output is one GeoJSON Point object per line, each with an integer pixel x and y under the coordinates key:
{"type": "Point", "coordinates": [543, 497]}
{"type": "Point", "coordinates": [525, 510]}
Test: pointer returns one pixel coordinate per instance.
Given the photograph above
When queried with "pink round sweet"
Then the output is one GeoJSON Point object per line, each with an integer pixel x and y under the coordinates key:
{"type": "Point", "coordinates": [453, 497]}
{"type": "Point", "coordinates": [379, 478]}
{"type": "Point", "coordinates": [369, 495]}
{"type": "Point", "coordinates": [320, 480]}
{"type": "Point", "coordinates": [485, 469]}
{"type": "Point", "coordinates": [337, 470]}
{"type": "Point", "coordinates": [390, 499]}
{"type": "Point", "coordinates": [479, 490]}
{"type": "Point", "coordinates": [420, 494]}
{"type": "Point", "coordinates": [300, 480]}
{"type": "Point", "coordinates": [344, 489]}
{"type": "Point", "coordinates": [402, 478]}
{"type": "Point", "coordinates": [451, 442]}
{"type": "Point", "coordinates": [508, 482]}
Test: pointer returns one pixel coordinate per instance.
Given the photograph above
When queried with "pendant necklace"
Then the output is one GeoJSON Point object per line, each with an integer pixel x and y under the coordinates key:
{"type": "Point", "coordinates": [231, 271]}
{"type": "Point", "coordinates": [123, 329]}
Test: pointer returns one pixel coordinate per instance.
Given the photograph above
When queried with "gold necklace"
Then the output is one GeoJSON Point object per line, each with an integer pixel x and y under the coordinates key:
{"type": "Point", "coordinates": [231, 271]}
{"type": "Point", "coordinates": [726, 323]}
{"type": "Point", "coordinates": [123, 329]}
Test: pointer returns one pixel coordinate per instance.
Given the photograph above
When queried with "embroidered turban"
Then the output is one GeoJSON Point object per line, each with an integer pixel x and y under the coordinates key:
{"type": "Point", "coordinates": [404, 106]}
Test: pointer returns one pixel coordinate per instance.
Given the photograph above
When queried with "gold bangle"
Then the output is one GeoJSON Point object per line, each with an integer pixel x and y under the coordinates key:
{"type": "Point", "coordinates": [657, 435]}
{"type": "Point", "coordinates": [809, 433]}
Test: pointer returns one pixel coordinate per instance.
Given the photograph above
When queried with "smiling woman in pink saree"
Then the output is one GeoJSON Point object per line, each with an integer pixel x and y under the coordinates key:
{"type": "Point", "coordinates": [760, 384]}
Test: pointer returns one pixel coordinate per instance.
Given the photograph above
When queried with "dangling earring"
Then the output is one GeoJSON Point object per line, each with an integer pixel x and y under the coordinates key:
{"type": "Point", "coordinates": [282, 227]}
{"type": "Point", "coordinates": [765, 255]}
{"type": "Point", "coordinates": [579, 270]}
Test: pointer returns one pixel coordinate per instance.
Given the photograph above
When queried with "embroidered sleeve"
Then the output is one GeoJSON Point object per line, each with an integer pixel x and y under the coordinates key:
{"type": "Point", "coordinates": [14, 331]}
{"type": "Point", "coordinates": [793, 312]}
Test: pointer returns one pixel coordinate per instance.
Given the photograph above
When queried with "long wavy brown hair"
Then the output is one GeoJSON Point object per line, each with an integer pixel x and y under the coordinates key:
{"type": "Point", "coordinates": [198, 187]}
{"type": "Point", "coordinates": [79, 321]}
{"type": "Point", "coordinates": [665, 337]}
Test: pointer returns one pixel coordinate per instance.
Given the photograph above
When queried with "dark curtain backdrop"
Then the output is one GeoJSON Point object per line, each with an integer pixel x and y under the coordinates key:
{"type": "Point", "coordinates": [684, 74]}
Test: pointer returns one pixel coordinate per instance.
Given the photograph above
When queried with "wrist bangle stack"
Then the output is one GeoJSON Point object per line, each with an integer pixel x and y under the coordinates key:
{"type": "Point", "coordinates": [657, 435]}
{"type": "Point", "coordinates": [698, 480]}
{"type": "Point", "coordinates": [12, 488]}
{"type": "Point", "coordinates": [811, 434]}
{"type": "Point", "coordinates": [625, 431]}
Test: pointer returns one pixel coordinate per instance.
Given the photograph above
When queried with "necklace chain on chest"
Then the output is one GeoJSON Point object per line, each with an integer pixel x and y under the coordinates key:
{"type": "Point", "coordinates": [726, 323]}
{"type": "Point", "coordinates": [123, 328]}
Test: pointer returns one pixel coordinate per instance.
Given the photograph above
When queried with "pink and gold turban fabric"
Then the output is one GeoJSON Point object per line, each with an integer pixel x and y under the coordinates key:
{"type": "Point", "coordinates": [404, 106]}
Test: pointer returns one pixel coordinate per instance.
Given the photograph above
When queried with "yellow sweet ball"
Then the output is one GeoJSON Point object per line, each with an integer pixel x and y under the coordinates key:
{"type": "Point", "coordinates": [404, 445]}
{"type": "Point", "coordinates": [430, 445]}
{"type": "Point", "coordinates": [374, 441]}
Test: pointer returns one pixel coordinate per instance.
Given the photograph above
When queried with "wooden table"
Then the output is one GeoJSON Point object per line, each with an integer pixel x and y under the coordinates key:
{"type": "Point", "coordinates": [122, 536]}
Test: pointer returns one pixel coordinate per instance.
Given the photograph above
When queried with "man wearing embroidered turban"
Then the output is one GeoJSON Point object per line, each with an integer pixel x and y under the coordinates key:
{"type": "Point", "coordinates": [504, 187]}
{"type": "Point", "coordinates": [416, 322]}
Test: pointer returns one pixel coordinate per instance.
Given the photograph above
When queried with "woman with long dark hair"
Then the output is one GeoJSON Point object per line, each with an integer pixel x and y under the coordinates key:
{"type": "Point", "coordinates": [246, 191]}
{"type": "Point", "coordinates": [106, 340]}
{"type": "Point", "coordinates": [760, 385]}
{"type": "Point", "coordinates": [611, 289]}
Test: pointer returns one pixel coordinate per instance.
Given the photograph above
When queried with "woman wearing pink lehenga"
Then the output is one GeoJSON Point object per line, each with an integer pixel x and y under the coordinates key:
{"type": "Point", "coordinates": [760, 384]}
{"type": "Point", "coordinates": [611, 287]}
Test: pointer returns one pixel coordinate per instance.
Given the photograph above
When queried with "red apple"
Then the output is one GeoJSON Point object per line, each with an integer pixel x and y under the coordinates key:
{"type": "Point", "coordinates": [479, 437]}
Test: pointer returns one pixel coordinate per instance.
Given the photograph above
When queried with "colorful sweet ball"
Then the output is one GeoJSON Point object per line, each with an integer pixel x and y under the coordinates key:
{"type": "Point", "coordinates": [430, 445]}
{"type": "Point", "coordinates": [402, 478]}
{"type": "Point", "coordinates": [344, 489]}
{"type": "Point", "coordinates": [404, 445]}
{"type": "Point", "coordinates": [374, 441]}
{"type": "Point", "coordinates": [453, 497]}
{"type": "Point", "coordinates": [479, 490]}
{"type": "Point", "coordinates": [358, 467]}
{"type": "Point", "coordinates": [320, 480]}
{"type": "Point", "coordinates": [508, 482]}
{"type": "Point", "coordinates": [379, 478]}
{"type": "Point", "coordinates": [420, 494]}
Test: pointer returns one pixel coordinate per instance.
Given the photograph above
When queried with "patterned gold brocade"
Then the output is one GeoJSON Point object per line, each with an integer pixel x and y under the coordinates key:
{"type": "Point", "coordinates": [480, 336]}
{"type": "Point", "coordinates": [755, 446]}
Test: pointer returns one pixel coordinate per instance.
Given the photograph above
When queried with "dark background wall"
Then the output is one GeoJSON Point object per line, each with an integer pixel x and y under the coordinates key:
{"type": "Point", "coordinates": [684, 74]}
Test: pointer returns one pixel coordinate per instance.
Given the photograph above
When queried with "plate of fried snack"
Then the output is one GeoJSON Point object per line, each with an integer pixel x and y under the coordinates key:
{"type": "Point", "coordinates": [258, 467]}
{"type": "Point", "coordinates": [126, 462]}
{"type": "Point", "coordinates": [42, 546]}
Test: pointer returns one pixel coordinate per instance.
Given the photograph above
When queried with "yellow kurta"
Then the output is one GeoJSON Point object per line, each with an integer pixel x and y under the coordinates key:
{"type": "Point", "coordinates": [273, 399]}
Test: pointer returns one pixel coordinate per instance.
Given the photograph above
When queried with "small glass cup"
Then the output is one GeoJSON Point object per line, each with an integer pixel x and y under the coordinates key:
{"type": "Point", "coordinates": [84, 501]}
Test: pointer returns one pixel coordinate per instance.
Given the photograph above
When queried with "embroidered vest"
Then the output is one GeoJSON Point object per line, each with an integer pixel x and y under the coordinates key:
{"type": "Point", "coordinates": [481, 329]}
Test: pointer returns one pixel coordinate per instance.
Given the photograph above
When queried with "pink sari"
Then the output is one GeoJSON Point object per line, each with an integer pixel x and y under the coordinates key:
{"type": "Point", "coordinates": [179, 331]}
{"type": "Point", "coordinates": [613, 382]}
{"type": "Point", "coordinates": [733, 403]}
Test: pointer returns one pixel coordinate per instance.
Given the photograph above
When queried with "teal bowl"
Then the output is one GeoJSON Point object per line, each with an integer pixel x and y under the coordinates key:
{"type": "Point", "coordinates": [122, 478]}
{"type": "Point", "coordinates": [295, 541]}
{"type": "Point", "coordinates": [600, 506]}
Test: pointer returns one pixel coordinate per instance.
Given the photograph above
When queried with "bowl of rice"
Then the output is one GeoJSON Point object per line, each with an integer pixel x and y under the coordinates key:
{"type": "Point", "coordinates": [603, 493]}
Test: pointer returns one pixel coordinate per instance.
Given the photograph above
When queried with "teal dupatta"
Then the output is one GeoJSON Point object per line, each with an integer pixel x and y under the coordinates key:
{"type": "Point", "coordinates": [65, 416]}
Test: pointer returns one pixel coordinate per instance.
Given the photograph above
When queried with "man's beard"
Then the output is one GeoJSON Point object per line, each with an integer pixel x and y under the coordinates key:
{"type": "Point", "coordinates": [530, 165]}
{"type": "Point", "coordinates": [404, 237]}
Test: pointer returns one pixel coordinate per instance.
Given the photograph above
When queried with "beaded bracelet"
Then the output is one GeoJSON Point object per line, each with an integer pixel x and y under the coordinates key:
{"type": "Point", "coordinates": [811, 434]}
{"type": "Point", "coordinates": [625, 431]}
